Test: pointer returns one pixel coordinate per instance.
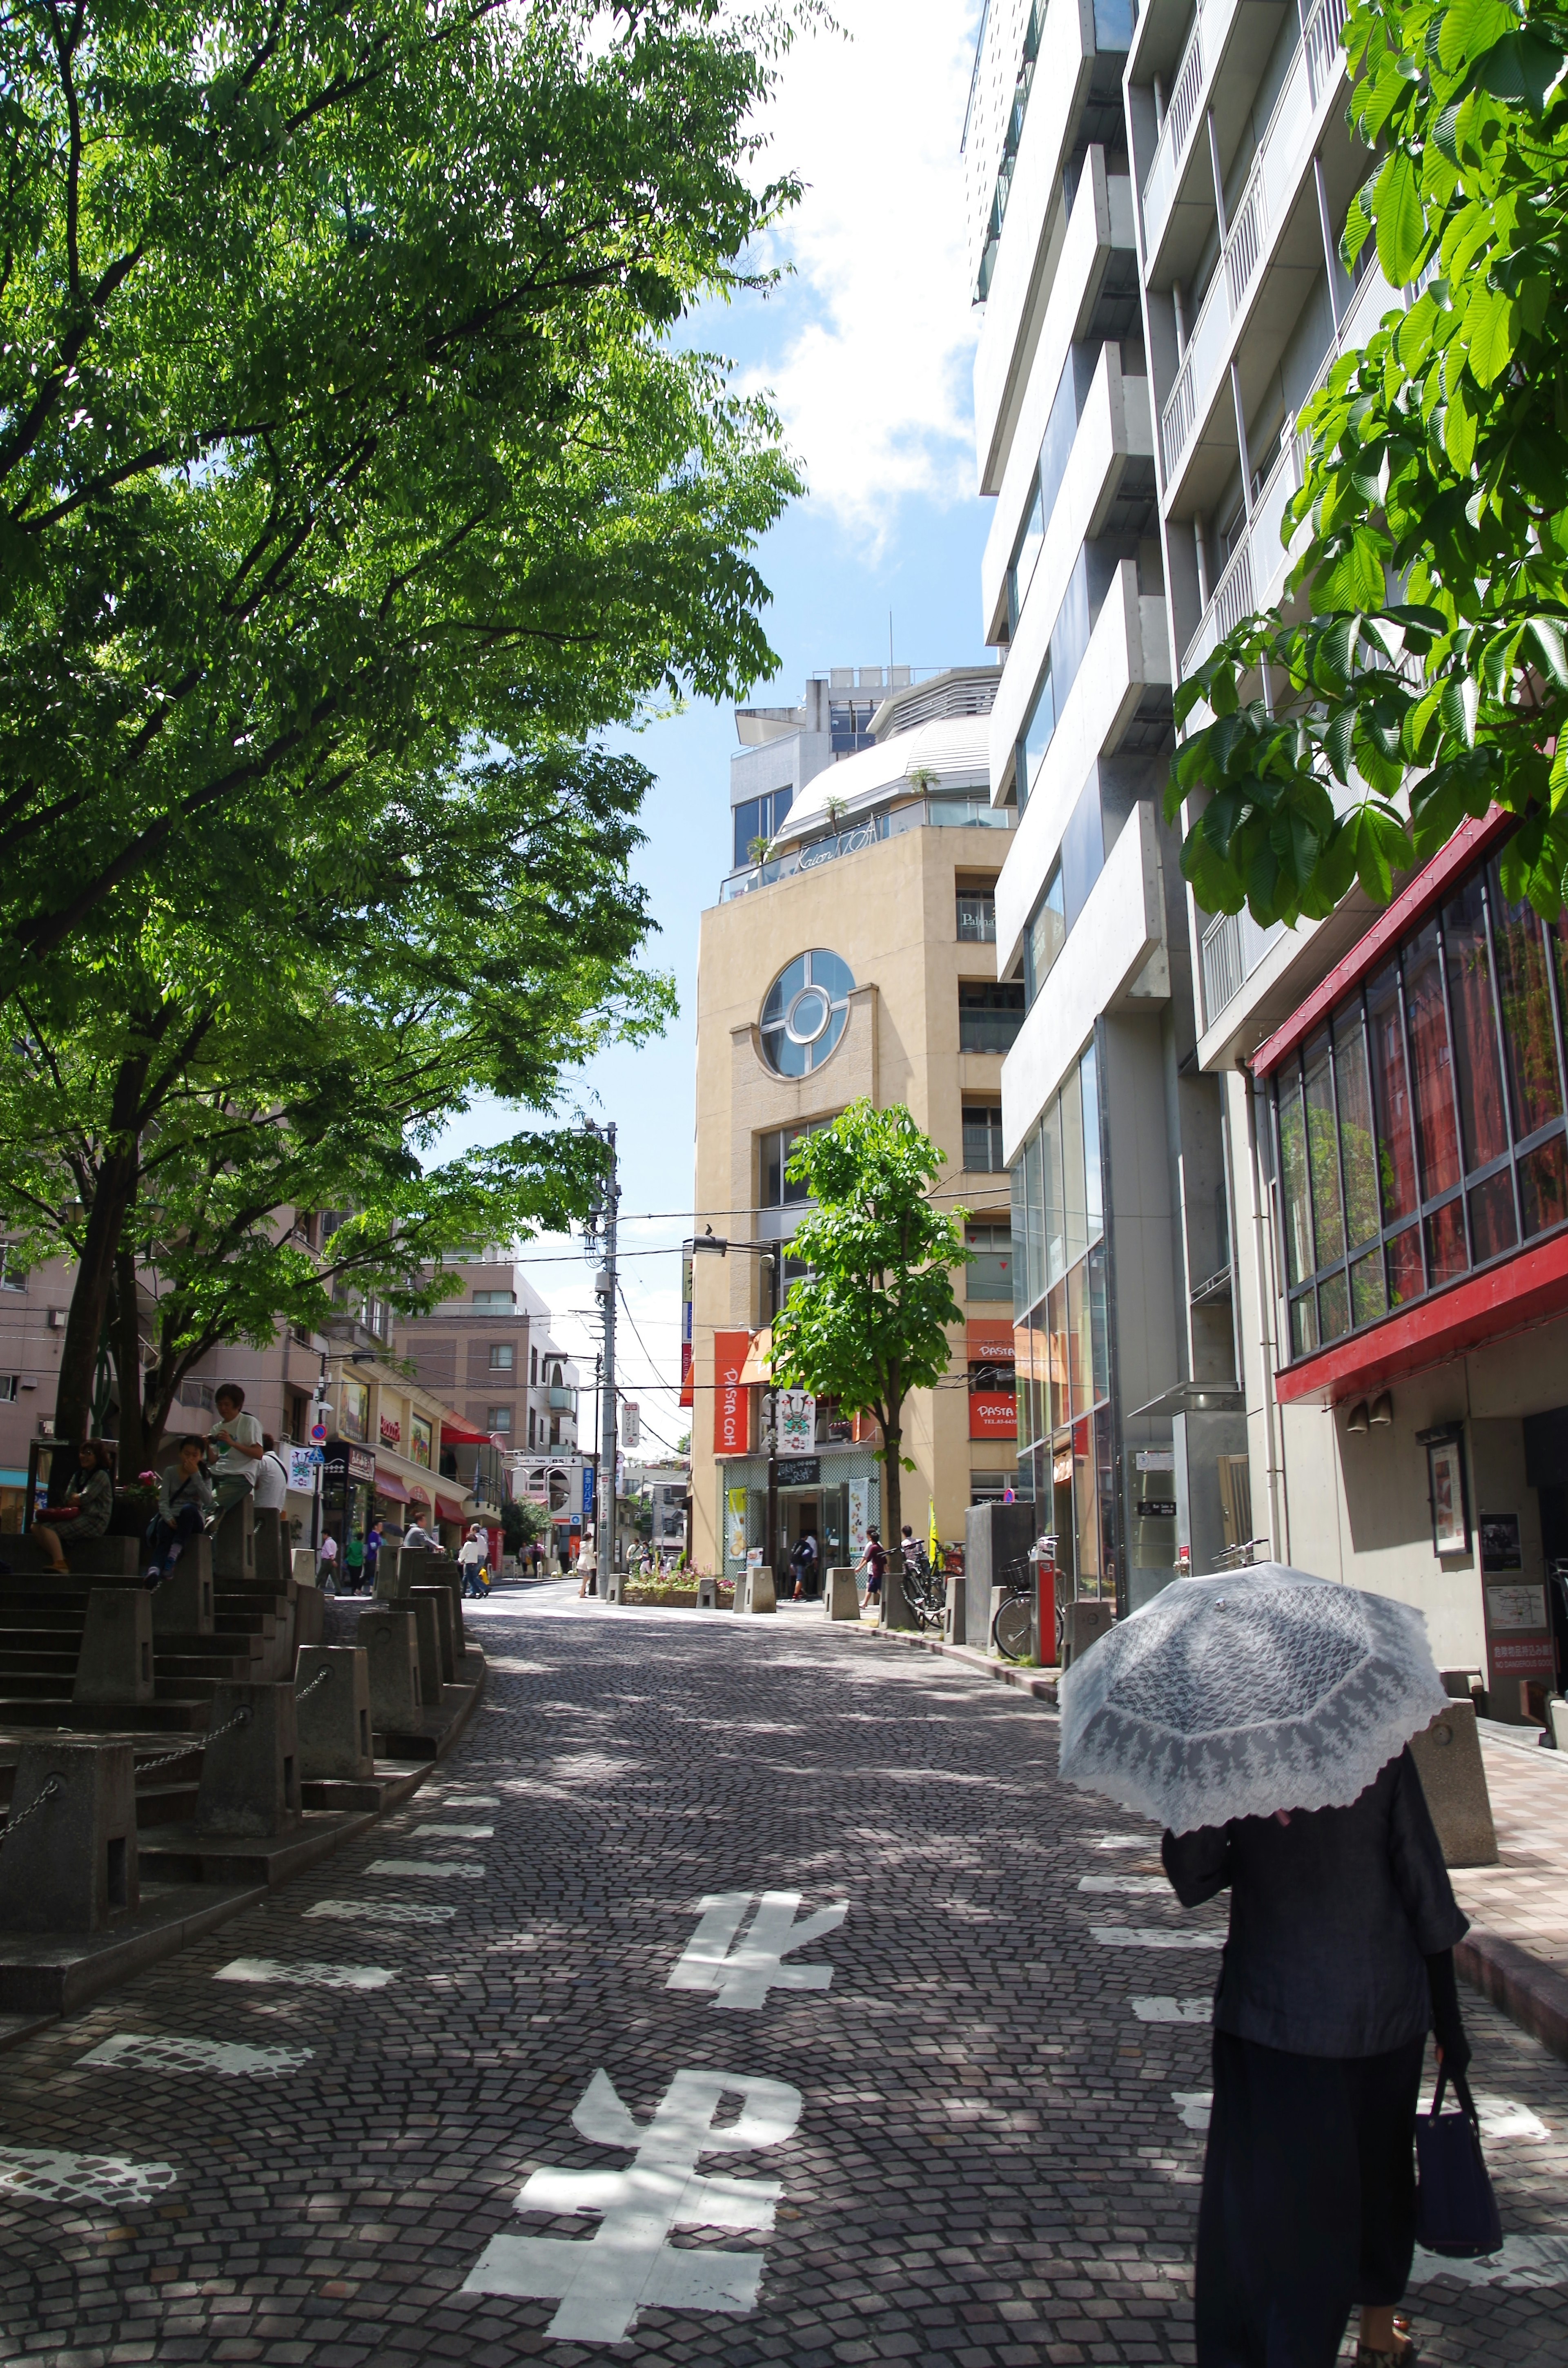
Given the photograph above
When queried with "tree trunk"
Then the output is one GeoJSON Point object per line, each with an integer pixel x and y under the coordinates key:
{"type": "Point", "coordinates": [114, 1190]}
{"type": "Point", "coordinates": [127, 1338]}
{"type": "Point", "coordinates": [896, 1613]}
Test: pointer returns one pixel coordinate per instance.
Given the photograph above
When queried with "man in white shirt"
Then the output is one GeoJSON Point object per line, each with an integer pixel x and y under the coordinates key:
{"type": "Point", "coordinates": [470, 1555]}
{"type": "Point", "coordinates": [236, 1440]}
{"type": "Point", "coordinates": [272, 1477]}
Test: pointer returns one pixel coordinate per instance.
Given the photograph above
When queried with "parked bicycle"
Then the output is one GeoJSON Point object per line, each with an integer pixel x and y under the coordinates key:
{"type": "Point", "coordinates": [1240, 1557]}
{"type": "Point", "coordinates": [925, 1590]}
{"type": "Point", "coordinates": [1012, 1631]}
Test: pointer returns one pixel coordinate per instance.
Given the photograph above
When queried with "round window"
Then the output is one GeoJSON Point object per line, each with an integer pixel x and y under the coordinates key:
{"type": "Point", "coordinates": [804, 1012]}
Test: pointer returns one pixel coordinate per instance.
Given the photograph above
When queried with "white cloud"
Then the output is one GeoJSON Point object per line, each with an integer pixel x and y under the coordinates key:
{"type": "Point", "coordinates": [872, 340]}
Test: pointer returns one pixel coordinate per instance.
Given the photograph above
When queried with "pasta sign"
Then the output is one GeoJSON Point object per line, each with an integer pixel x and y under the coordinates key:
{"type": "Point", "coordinates": [731, 1403]}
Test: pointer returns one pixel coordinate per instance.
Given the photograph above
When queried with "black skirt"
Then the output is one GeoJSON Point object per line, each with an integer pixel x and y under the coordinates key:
{"type": "Point", "coordinates": [1309, 2200]}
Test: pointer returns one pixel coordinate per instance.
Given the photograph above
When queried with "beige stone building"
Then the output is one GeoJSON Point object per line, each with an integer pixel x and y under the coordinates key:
{"type": "Point", "coordinates": [857, 958]}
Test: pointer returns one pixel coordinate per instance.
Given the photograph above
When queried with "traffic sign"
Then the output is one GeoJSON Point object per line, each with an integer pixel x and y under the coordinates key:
{"type": "Point", "coordinates": [318, 1434]}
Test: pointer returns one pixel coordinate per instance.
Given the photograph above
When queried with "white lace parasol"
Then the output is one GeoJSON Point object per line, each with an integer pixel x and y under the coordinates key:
{"type": "Point", "coordinates": [1232, 1697]}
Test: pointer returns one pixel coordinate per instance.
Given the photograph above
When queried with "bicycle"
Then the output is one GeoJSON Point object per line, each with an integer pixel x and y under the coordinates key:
{"type": "Point", "coordinates": [925, 1591]}
{"type": "Point", "coordinates": [1012, 1631]}
{"type": "Point", "coordinates": [1239, 1557]}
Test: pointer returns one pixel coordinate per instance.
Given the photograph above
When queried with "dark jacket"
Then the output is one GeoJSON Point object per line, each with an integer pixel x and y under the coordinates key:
{"type": "Point", "coordinates": [1332, 1919]}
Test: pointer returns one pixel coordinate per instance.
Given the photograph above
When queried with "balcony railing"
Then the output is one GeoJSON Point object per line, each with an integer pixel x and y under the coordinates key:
{"type": "Point", "coordinates": [964, 813]}
{"type": "Point", "coordinates": [1250, 571]}
{"type": "Point", "coordinates": [1233, 945]}
{"type": "Point", "coordinates": [1160, 187]}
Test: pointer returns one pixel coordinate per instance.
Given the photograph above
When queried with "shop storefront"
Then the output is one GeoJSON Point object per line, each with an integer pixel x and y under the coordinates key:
{"type": "Point", "coordinates": [348, 1483]}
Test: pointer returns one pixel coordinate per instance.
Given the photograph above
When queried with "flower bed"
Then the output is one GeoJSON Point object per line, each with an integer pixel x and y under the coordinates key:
{"type": "Point", "coordinates": [682, 1593]}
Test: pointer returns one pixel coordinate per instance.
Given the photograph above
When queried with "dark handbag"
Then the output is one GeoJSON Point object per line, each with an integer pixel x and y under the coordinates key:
{"type": "Point", "coordinates": [1456, 2211]}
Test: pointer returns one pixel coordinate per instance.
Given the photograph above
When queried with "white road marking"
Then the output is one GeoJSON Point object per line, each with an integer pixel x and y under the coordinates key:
{"type": "Point", "coordinates": [1126, 1842]}
{"type": "Point", "coordinates": [306, 1974]}
{"type": "Point", "coordinates": [629, 2264]}
{"type": "Point", "coordinates": [455, 1833]}
{"type": "Point", "coordinates": [1501, 2118]}
{"type": "Point", "coordinates": [384, 1911]}
{"type": "Point", "coordinates": [165, 2053]}
{"type": "Point", "coordinates": [467, 1801]}
{"type": "Point", "coordinates": [1194, 2105]}
{"type": "Point", "coordinates": [1172, 2009]}
{"type": "Point", "coordinates": [437, 1870]}
{"type": "Point", "coordinates": [742, 1970]}
{"type": "Point", "coordinates": [53, 2177]}
{"type": "Point", "coordinates": [1537, 2260]}
{"type": "Point", "coordinates": [1125, 1882]}
{"type": "Point", "coordinates": [1154, 1936]}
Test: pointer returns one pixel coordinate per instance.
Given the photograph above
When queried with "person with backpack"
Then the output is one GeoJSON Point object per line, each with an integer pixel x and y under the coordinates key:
{"type": "Point", "coordinates": [873, 1561]}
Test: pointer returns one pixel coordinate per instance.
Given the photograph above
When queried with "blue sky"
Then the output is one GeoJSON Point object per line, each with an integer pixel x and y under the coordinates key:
{"type": "Point", "coordinates": [866, 349]}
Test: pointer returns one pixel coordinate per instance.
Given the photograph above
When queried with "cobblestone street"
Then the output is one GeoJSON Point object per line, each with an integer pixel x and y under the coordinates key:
{"type": "Point", "coordinates": [960, 2124]}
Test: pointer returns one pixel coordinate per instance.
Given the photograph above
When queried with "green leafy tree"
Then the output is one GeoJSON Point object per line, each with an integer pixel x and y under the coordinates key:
{"type": "Point", "coordinates": [869, 1323]}
{"type": "Point", "coordinates": [523, 1523]}
{"type": "Point", "coordinates": [1430, 677]}
{"type": "Point", "coordinates": [344, 424]}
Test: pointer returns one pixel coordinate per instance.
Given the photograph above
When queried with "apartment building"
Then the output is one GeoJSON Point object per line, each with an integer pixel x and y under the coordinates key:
{"type": "Point", "coordinates": [855, 960]}
{"type": "Point", "coordinates": [473, 1350]}
{"type": "Point", "coordinates": [1112, 1136]}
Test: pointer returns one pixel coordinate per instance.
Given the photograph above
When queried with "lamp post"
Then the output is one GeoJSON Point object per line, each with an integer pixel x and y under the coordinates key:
{"type": "Point", "coordinates": [774, 1250]}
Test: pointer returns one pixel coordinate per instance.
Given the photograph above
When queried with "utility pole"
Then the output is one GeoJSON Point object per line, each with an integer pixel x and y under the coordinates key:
{"type": "Point", "coordinates": [606, 1283]}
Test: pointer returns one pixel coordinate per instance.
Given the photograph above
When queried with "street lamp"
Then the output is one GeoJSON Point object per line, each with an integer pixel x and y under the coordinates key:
{"type": "Point", "coordinates": [774, 1250]}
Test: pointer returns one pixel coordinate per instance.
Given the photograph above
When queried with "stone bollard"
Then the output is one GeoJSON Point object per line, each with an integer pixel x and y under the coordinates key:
{"type": "Point", "coordinates": [840, 1596]}
{"type": "Point", "coordinates": [1453, 1777]}
{"type": "Point", "coordinates": [440, 1599]}
{"type": "Point", "coordinates": [1082, 1623]}
{"type": "Point", "coordinates": [70, 1866]}
{"type": "Point", "coordinates": [754, 1590]}
{"type": "Point", "coordinates": [612, 1586]}
{"type": "Point", "coordinates": [302, 1566]}
{"type": "Point", "coordinates": [391, 1643]}
{"type": "Point", "coordinates": [250, 1770]}
{"type": "Point", "coordinates": [1557, 1712]}
{"type": "Point", "coordinates": [307, 1609]}
{"type": "Point", "coordinates": [410, 1567]}
{"type": "Point", "coordinates": [274, 1546]}
{"type": "Point", "coordinates": [233, 1543]}
{"type": "Point", "coordinates": [182, 1604]}
{"type": "Point", "coordinates": [422, 1613]}
{"type": "Point", "coordinates": [708, 1595]}
{"type": "Point", "coordinates": [115, 1661]}
{"type": "Point", "coordinates": [954, 1631]}
{"type": "Point", "coordinates": [334, 1716]}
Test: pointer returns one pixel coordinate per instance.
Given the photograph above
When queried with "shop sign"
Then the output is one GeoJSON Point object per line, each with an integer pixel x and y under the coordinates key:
{"type": "Point", "coordinates": [303, 1464]}
{"type": "Point", "coordinates": [357, 1461]}
{"type": "Point", "coordinates": [391, 1431]}
{"type": "Point", "coordinates": [587, 1492]}
{"type": "Point", "coordinates": [992, 1414]}
{"type": "Point", "coordinates": [799, 1472]}
{"type": "Point", "coordinates": [731, 1403]}
{"type": "Point", "coordinates": [1156, 1508]}
{"type": "Point", "coordinates": [796, 1421]}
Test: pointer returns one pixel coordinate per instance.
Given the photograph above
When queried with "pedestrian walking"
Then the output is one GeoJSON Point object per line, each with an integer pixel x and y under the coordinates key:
{"type": "Point", "coordinates": [1265, 1718]}
{"type": "Point", "coordinates": [185, 1507]}
{"type": "Point", "coordinates": [587, 1566]}
{"type": "Point", "coordinates": [873, 1561]}
{"type": "Point", "coordinates": [372, 1556]}
{"type": "Point", "coordinates": [354, 1563]}
{"type": "Point", "coordinates": [470, 1555]}
{"type": "Point", "coordinates": [803, 1565]}
{"type": "Point", "coordinates": [326, 1564]}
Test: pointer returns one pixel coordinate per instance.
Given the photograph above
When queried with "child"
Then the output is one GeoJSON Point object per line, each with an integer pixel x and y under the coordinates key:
{"type": "Point", "coordinates": [185, 1506]}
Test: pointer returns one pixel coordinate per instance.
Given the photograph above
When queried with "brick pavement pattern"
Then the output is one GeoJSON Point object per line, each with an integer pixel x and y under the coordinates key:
{"type": "Point", "coordinates": [997, 2156]}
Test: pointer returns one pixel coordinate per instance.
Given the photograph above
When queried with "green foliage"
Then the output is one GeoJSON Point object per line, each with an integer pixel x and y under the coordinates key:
{"type": "Point", "coordinates": [869, 1322]}
{"type": "Point", "coordinates": [345, 425]}
{"type": "Point", "coordinates": [1429, 678]}
{"type": "Point", "coordinates": [522, 1523]}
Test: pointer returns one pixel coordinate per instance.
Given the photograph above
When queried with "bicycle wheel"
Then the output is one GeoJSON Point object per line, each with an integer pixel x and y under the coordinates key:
{"type": "Point", "coordinates": [914, 1595]}
{"type": "Point", "coordinates": [1011, 1630]}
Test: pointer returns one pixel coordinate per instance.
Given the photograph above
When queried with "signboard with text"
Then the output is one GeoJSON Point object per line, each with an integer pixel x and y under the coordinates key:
{"type": "Point", "coordinates": [731, 1403]}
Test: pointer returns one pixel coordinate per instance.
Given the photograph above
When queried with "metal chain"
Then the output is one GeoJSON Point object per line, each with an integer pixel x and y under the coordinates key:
{"type": "Point", "coordinates": [199, 1743]}
{"type": "Point", "coordinates": [51, 1785]}
{"type": "Point", "coordinates": [320, 1678]}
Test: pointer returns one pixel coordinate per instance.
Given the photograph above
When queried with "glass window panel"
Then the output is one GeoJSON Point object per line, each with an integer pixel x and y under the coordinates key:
{"type": "Point", "coordinates": [1530, 1037]}
{"type": "Point", "coordinates": [1034, 1237]}
{"type": "Point", "coordinates": [1056, 444]}
{"type": "Point", "coordinates": [1060, 1502]}
{"type": "Point", "coordinates": [1334, 1308]}
{"type": "Point", "coordinates": [1557, 942]}
{"type": "Point", "coordinates": [1075, 1223]}
{"type": "Point", "coordinates": [748, 826]}
{"type": "Point", "coordinates": [772, 1171]}
{"type": "Point", "coordinates": [1099, 1323]}
{"type": "Point", "coordinates": [1031, 534]}
{"type": "Point", "coordinates": [1046, 936]}
{"type": "Point", "coordinates": [1446, 1253]}
{"type": "Point", "coordinates": [1298, 1216]}
{"type": "Point", "coordinates": [1327, 1211]}
{"type": "Point", "coordinates": [1303, 1323]}
{"type": "Point", "coordinates": [1357, 1148]}
{"type": "Point", "coordinates": [1055, 1216]}
{"type": "Point", "coordinates": [1024, 1283]}
{"type": "Point", "coordinates": [1369, 1298]}
{"type": "Point", "coordinates": [1089, 1080]}
{"type": "Point", "coordinates": [1056, 1357]}
{"type": "Point", "coordinates": [1492, 1227]}
{"type": "Point", "coordinates": [1080, 1355]}
{"type": "Point", "coordinates": [1543, 1186]}
{"type": "Point", "coordinates": [1406, 1279]}
{"type": "Point", "coordinates": [1391, 1096]}
{"type": "Point", "coordinates": [1474, 1018]}
{"type": "Point", "coordinates": [1104, 1473]}
{"type": "Point", "coordinates": [1085, 1507]}
{"type": "Point", "coordinates": [1436, 1138]}
{"type": "Point", "coordinates": [1036, 738]}
{"type": "Point", "coordinates": [1030, 1426]}
{"type": "Point", "coordinates": [830, 971]}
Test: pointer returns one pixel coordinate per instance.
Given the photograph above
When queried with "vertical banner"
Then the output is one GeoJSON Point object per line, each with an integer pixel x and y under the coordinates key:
{"type": "Point", "coordinates": [731, 1402]}
{"type": "Point", "coordinates": [859, 1516]}
{"type": "Point", "coordinates": [736, 1525]}
{"type": "Point", "coordinates": [796, 1421]}
{"type": "Point", "coordinates": [687, 1392]}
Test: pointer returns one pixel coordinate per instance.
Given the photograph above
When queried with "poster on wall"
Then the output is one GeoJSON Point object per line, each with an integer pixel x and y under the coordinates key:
{"type": "Point", "coordinates": [1500, 1545]}
{"type": "Point", "coordinates": [859, 1516]}
{"type": "Point", "coordinates": [736, 1525]}
{"type": "Point", "coordinates": [1450, 1518]}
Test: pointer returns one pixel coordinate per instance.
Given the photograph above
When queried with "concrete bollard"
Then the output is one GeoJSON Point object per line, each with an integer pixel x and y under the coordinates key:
{"type": "Point", "coordinates": [302, 1566]}
{"type": "Point", "coordinates": [754, 1590]}
{"type": "Point", "coordinates": [1453, 1777]}
{"type": "Point", "coordinates": [274, 1546]}
{"type": "Point", "coordinates": [115, 1661]}
{"type": "Point", "coordinates": [410, 1567]}
{"type": "Point", "coordinates": [708, 1595]}
{"type": "Point", "coordinates": [840, 1596]}
{"type": "Point", "coordinates": [612, 1586]}
{"type": "Point", "coordinates": [70, 1864]}
{"type": "Point", "coordinates": [182, 1604]}
{"type": "Point", "coordinates": [1082, 1623]}
{"type": "Point", "coordinates": [1557, 1712]}
{"type": "Point", "coordinates": [233, 1543]}
{"type": "Point", "coordinates": [250, 1770]}
{"type": "Point", "coordinates": [391, 1643]}
{"type": "Point", "coordinates": [440, 1600]}
{"type": "Point", "coordinates": [334, 1717]}
{"type": "Point", "coordinates": [428, 1639]}
{"type": "Point", "coordinates": [953, 1614]}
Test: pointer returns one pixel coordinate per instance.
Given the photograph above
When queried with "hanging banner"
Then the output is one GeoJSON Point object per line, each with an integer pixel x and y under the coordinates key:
{"type": "Point", "coordinates": [859, 1516]}
{"type": "Point", "coordinates": [736, 1525]}
{"type": "Point", "coordinates": [731, 1403]}
{"type": "Point", "coordinates": [797, 1422]}
{"type": "Point", "coordinates": [686, 1378]}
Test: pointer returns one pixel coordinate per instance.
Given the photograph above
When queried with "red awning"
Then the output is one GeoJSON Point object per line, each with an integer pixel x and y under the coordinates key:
{"type": "Point", "coordinates": [389, 1484]}
{"type": "Point", "coordinates": [454, 1428]}
{"type": "Point", "coordinates": [447, 1510]}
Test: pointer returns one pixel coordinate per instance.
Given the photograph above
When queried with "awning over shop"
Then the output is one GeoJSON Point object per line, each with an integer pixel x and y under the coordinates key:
{"type": "Point", "coordinates": [389, 1484]}
{"type": "Point", "coordinates": [447, 1510]}
{"type": "Point", "coordinates": [462, 1434]}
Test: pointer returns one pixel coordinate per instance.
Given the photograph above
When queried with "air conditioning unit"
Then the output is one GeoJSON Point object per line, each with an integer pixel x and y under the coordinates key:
{"type": "Point", "coordinates": [57, 1319]}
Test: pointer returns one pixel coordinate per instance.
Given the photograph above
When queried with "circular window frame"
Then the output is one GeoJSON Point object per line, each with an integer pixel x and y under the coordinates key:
{"type": "Point", "coordinates": [820, 1044]}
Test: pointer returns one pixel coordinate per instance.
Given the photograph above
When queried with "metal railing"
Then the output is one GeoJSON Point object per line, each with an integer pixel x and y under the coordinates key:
{"type": "Point", "coordinates": [967, 813]}
{"type": "Point", "coordinates": [1233, 945]}
{"type": "Point", "coordinates": [1322, 44]}
{"type": "Point", "coordinates": [1178, 122]}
